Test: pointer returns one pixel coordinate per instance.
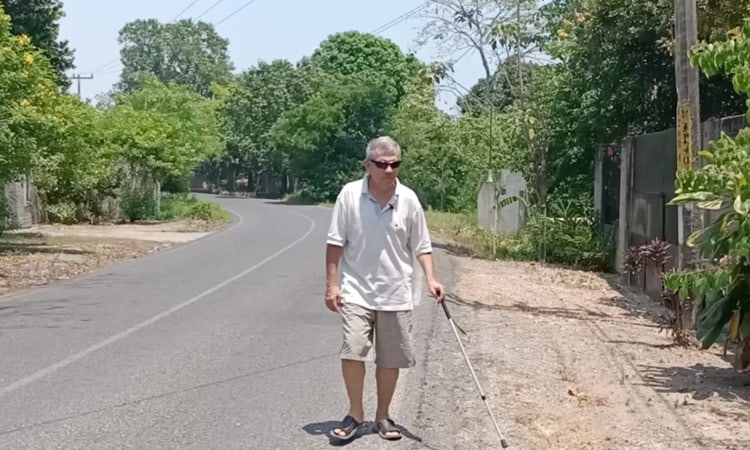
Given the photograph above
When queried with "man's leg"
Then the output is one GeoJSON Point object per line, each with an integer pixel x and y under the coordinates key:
{"type": "Point", "coordinates": [386, 379]}
{"type": "Point", "coordinates": [355, 350]}
{"type": "Point", "coordinates": [393, 346]}
{"type": "Point", "coordinates": [354, 379]}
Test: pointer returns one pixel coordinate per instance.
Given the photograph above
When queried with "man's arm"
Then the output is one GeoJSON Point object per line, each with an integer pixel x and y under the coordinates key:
{"type": "Point", "coordinates": [335, 242]}
{"type": "Point", "coordinates": [425, 260]}
{"type": "Point", "coordinates": [333, 256]}
{"type": "Point", "coordinates": [421, 245]}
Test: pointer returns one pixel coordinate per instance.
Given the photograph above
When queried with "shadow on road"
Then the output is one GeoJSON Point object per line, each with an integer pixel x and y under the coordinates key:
{"type": "Point", "coordinates": [703, 381]}
{"type": "Point", "coordinates": [367, 428]}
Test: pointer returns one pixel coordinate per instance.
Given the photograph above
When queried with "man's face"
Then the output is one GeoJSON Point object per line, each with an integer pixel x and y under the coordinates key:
{"type": "Point", "coordinates": [383, 167]}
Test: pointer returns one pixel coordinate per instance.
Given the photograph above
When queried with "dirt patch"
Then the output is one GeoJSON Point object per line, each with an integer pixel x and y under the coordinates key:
{"type": "Point", "coordinates": [175, 232]}
{"type": "Point", "coordinates": [570, 362]}
{"type": "Point", "coordinates": [47, 253]}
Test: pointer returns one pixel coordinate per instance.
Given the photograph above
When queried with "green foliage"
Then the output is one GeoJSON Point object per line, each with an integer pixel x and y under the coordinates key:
{"type": "Point", "coordinates": [39, 20]}
{"type": "Point", "coordinates": [461, 232]}
{"type": "Point", "coordinates": [571, 234]}
{"type": "Point", "coordinates": [139, 204]}
{"type": "Point", "coordinates": [599, 41]}
{"type": "Point", "coordinates": [188, 53]}
{"type": "Point", "coordinates": [183, 206]}
{"type": "Point", "coordinates": [256, 100]}
{"type": "Point", "coordinates": [325, 137]}
{"type": "Point", "coordinates": [76, 159]}
{"type": "Point", "coordinates": [729, 56]}
{"type": "Point", "coordinates": [435, 164]}
{"type": "Point", "coordinates": [722, 189]}
{"type": "Point", "coordinates": [27, 94]}
{"type": "Point", "coordinates": [354, 53]}
{"type": "Point", "coordinates": [165, 128]}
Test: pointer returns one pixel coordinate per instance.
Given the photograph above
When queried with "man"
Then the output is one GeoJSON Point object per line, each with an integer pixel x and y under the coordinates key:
{"type": "Point", "coordinates": [377, 230]}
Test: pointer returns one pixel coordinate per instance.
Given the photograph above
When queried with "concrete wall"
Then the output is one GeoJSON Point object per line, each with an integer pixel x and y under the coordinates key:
{"type": "Point", "coordinates": [506, 219]}
{"type": "Point", "coordinates": [20, 203]}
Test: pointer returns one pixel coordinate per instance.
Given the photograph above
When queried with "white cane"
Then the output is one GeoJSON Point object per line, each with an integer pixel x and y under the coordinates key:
{"type": "Point", "coordinates": [455, 328]}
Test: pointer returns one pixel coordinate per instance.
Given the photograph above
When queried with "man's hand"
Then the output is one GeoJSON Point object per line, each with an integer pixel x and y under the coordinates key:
{"type": "Point", "coordinates": [437, 291]}
{"type": "Point", "coordinates": [333, 298]}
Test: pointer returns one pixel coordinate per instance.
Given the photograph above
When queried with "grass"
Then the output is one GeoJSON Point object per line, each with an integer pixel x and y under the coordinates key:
{"type": "Point", "coordinates": [179, 207]}
{"type": "Point", "coordinates": [462, 234]}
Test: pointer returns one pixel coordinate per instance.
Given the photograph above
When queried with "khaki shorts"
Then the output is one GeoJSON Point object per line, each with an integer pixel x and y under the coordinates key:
{"type": "Point", "coordinates": [392, 332]}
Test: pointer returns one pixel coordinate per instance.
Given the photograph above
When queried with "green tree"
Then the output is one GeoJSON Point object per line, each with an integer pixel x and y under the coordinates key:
{"type": "Point", "coordinates": [188, 53]}
{"type": "Point", "coordinates": [621, 65]}
{"type": "Point", "coordinates": [353, 53]}
{"type": "Point", "coordinates": [164, 128]}
{"type": "Point", "coordinates": [325, 137]}
{"type": "Point", "coordinates": [77, 164]}
{"type": "Point", "coordinates": [39, 20]}
{"type": "Point", "coordinates": [257, 99]}
{"type": "Point", "coordinates": [27, 94]}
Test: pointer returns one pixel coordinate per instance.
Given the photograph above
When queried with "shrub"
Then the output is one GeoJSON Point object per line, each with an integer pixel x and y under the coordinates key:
{"type": "Point", "coordinates": [571, 234]}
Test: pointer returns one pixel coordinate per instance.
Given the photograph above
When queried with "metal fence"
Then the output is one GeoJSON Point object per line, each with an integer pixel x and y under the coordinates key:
{"type": "Point", "coordinates": [648, 166]}
{"type": "Point", "coordinates": [654, 167]}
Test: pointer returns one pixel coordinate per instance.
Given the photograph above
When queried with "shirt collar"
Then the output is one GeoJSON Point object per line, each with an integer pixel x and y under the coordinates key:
{"type": "Point", "coordinates": [393, 202]}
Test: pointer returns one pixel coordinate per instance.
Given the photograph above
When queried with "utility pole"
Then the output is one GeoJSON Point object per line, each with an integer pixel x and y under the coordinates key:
{"type": "Point", "coordinates": [78, 78]}
{"type": "Point", "coordinates": [688, 115]}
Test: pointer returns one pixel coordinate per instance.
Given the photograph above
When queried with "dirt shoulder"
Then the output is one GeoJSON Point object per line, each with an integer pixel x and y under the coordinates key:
{"type": "Point", "coordinates": [46, 253]}
{"type": "Point", "coordinates": [570, 361]}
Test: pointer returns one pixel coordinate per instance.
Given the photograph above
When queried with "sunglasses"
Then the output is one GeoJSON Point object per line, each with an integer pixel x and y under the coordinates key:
{"type": "Point", "coordinates": [384, 165]}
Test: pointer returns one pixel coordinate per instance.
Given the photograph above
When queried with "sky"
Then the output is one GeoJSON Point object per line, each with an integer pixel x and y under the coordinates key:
{"type": "Point", "coordinates": [262, 30]}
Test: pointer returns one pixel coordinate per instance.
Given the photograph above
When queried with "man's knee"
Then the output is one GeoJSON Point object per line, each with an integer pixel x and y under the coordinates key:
{"type": "Point", "coordinates": [357, 333]}
{"type": "Point", "coordinates": [393, 340]}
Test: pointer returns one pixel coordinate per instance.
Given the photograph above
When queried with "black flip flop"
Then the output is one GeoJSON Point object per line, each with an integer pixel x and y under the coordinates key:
{"type": "Point", "coordinates": [349, 425]}
{"type": "Point", "coordinates": [386, 428]}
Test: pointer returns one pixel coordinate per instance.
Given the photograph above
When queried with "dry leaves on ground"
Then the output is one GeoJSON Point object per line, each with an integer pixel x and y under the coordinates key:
{"type": "Point", "coordinates": [575, 364]}
{"type": "Point", "coordinates": [47, 253]}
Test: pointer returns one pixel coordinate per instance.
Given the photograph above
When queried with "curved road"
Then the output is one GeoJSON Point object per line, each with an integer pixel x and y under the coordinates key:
{"type": "Point", "coordinates": [223, 343]}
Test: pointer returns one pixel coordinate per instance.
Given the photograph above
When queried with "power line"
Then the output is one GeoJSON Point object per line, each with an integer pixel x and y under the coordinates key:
{"type": "Point", "coordinates": [398, 19]}
{"type": "Point", "coordinates": [217, 3]}
{"type": "Point", "coordinates": [113, 64]}
{"type": "Point", "coordinates": [78, 78]}
{"type": "Point", "coordinates": [185, 10]}
{"type": "Point", "coordinates": [234, 12]}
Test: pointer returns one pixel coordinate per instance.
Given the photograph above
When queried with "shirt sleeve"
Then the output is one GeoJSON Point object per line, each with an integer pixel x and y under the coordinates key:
{"type": "Point", "coordinates": [337, 229]}
{"type": "Point", "coordinates": [419, 240]}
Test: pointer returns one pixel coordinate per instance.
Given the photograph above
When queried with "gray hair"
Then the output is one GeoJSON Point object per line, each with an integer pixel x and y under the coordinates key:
{"type": "Point", "coordinates": [385, 143]}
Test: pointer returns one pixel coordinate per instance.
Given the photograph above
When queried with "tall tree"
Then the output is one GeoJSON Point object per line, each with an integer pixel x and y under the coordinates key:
{"type": "Point", "coordinates": [620, 57]}
{"type": "Point", "coordinates": [325, 137]}
{"type": "Point", "coordinates": [257, 99]}
{"type": "Point", "coordinates": [39, 20]}
{"type": "Point", "coordinates": [27, 94]}
{"type": "Point", "coordinates": [355, 53]}
{"type": "Point", "coordinates": [188, 53]}
{"type": "Point", "coordinates": [164, 128]}
{"type": "Point", "coordinates": [495, 30]}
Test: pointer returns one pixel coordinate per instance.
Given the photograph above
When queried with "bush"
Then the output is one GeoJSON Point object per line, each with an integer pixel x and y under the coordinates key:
{"type": "Point", "coordinates": [462, 232]}
{"type": "Point", "coordinates": [176, 184]}
{"type": "Point", "coordinates": [175, 206]}
{"type": "Point", "coordinates": [571, 234]}
{"type": "Point", "coordinates": [63, 212]}
{"type": "Point", "coordinates": [139, 205]}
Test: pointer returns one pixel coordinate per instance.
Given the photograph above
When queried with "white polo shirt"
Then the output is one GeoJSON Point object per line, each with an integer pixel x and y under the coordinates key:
{"type": "Point", "coordinates": [380, 245]}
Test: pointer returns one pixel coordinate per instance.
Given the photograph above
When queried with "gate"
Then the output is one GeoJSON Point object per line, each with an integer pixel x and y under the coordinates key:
{"type": "Point", "coordinates": [654, 167]}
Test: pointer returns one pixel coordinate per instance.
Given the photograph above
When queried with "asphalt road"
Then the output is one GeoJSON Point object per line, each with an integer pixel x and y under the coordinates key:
{"type": "Point", "coordinates": [223, 343]}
